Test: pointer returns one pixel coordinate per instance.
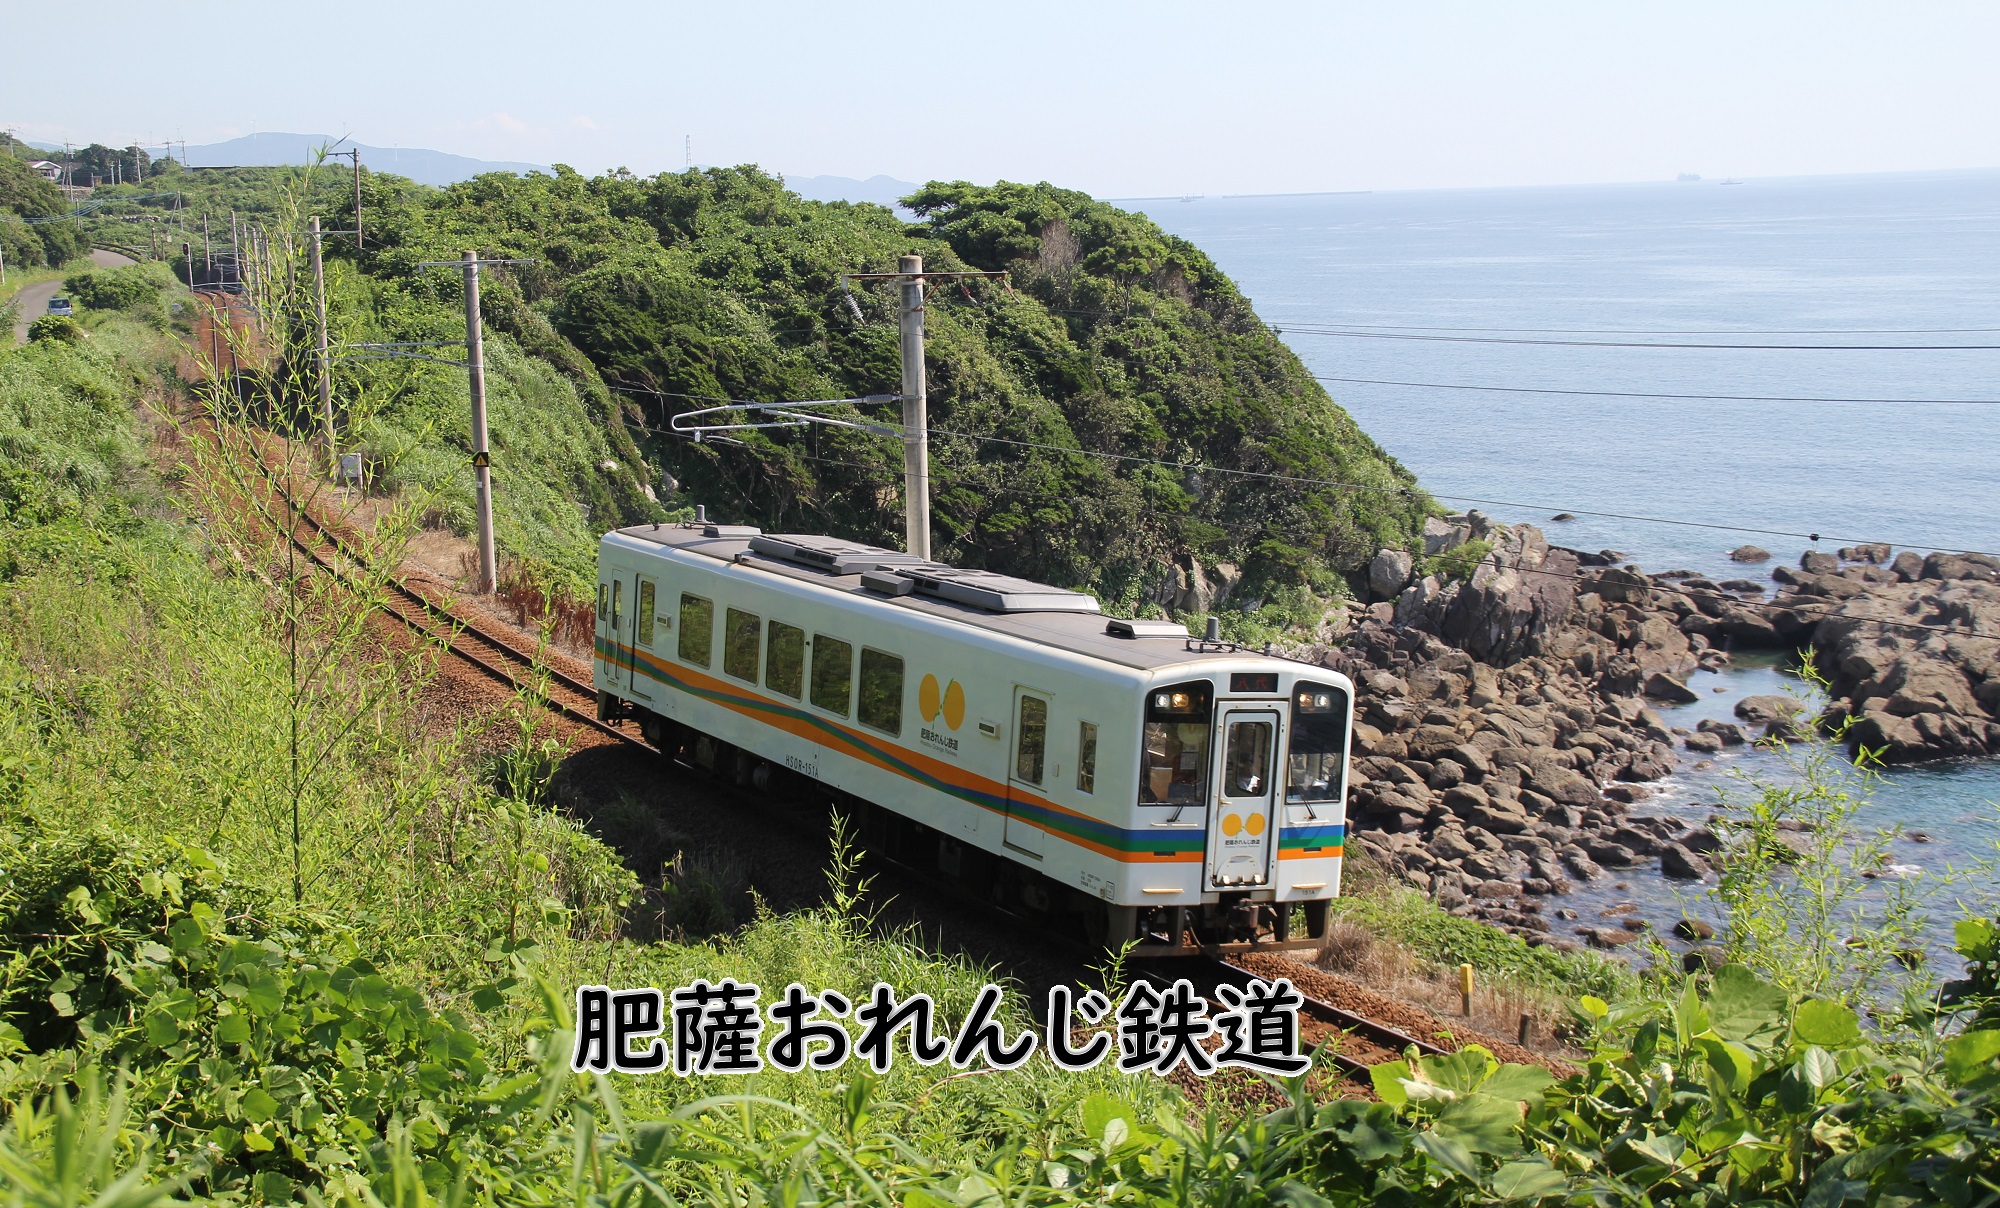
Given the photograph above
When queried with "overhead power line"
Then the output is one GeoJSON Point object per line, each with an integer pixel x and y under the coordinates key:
{"type": "Point", "coordinates": [1699, 331]}
{"type": "Point", "coordinates": [1439, 339]}
{"type": "Point", "coordinates": [1726, 398]}
{"type": "Point", "coordinates": [1810, 609]}
{"type": "Point", "coordinates": [1377, 488]}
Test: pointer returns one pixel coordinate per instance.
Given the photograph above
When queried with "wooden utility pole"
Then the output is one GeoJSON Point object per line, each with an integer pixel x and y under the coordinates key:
{"type": "Point", "coordinates": [482, 465]}
{"type": "Point", "coordinates": [916, 421]}
{"type": "Point", "coordinates": [325, 370]}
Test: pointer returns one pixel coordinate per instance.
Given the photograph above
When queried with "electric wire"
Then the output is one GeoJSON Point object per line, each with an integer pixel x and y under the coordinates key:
{"type": "Point", "coordinates": [1721, 398]}
{"type": "Point", "coordinates": [1443, 339]}
{"type": "Point", "coordinates": [1796, 606]}
{"type": "Point", "coordinates": [1410, 492]}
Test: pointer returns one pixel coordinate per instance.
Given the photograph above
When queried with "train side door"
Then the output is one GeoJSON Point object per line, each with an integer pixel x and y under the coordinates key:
{"type": "Point", "coordinates": [611, 620]}
{"type": "Point", "coordinates": [645, 625]}
{"type": "Point", "coordinates": [1027, 772]}
{"type": "Point", "coordinates": [1242, 829]}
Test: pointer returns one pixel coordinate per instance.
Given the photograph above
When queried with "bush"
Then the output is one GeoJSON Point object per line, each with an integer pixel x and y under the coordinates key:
{"type": "Point", "coordinates": [56, 328]}
{"type": "Point", "coordinates": [125, 288]}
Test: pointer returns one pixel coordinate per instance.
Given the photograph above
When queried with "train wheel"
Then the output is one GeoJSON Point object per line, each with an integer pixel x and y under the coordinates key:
{"type": "Point", "coordinates": [1316, 913]}
{"type": "Point", "coordinates": [1107, 926]}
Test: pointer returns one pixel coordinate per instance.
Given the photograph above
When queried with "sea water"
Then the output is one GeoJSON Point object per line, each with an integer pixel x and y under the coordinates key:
{"type": "Point", "coordinates": [1843, 265]}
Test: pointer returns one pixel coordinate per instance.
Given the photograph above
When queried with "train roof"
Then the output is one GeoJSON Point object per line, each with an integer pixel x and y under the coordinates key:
{"type": "Point", "coordinates": [1029, 611]}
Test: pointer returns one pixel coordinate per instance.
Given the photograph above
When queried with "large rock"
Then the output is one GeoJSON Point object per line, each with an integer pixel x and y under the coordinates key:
{"type": "Point", "coordinates": [1816, 562]}
{"type": "Point", "coordinates": [1441, 535]}
{"type": "Point", "coordinates": [1763, 710]}
{"type": "Point", "coordinates": [1962, 566]}
{"type": "Point", "coordinates": [1749, 553]}
{"type": "Point", "coordinates": [1680, 864]}
{"type": "Point", "coordinates": [1661, 686]}
{"type": "Point", "coordinates": [1515, 597]}
{"type": "Point", "coordinates": [1389, 572]}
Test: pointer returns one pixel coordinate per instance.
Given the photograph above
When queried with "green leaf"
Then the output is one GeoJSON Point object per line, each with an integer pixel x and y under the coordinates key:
{"type": "Point", "coordinates": [1731, 1063]}
{"type": "Point", "coordinates": [1449, 1154]}
{"type": "Point", "coordinates": [232, 1029]}
{"type": "Point", "coordinates": [1529, 1180]}
{"type": "Point", "coordinates": [1664, 1150]}
{"type": "Point", "coordinates": [1594, 1005]}
{"type": "Point", "coordinates": [1519, 1083]}
{"type": "Point", "coordinates": [1108, 1122]}
{"type": "Point", "coordinates": [185, 934]}
{"type": "Point", "coordinates": [1975, 939]}
{"type": "Point", "coordinates": [1388, 1079]}
{"type": "Point", "coordinates": [1972, 1054]}
{"type": "Point", "coordinates": [1741, 1006]}
{"type": "Point", "coordinates": [1819, 1068]}
{"type": "Point", "coordinates": [1482, 1124]}
{"type": "Point", "coordinates": [369, 992]}
{"type": "Point", "coordinates": [1461, 1072]}
{"type": "Point", "coordinates": [488, 998]}
{"type": "Point", "coordinates": [1827, 1024]}
{"type": "Point", "coordinates": [257, 1142]}
{"type": "Point", "coordinates": [264, 995]}
{"type": "Point", "coordinates": [62, 1004]}
{"type": "Point", "coordinates": [258, 1107]}
{"type": "Point", "coordinates": [161, 1030]}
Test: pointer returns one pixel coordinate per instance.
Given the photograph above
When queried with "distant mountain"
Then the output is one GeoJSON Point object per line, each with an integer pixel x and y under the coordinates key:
{"type": "Point", "coordinates": [423, 166]}
{"type": "Point", "coordinates": [882, 190]}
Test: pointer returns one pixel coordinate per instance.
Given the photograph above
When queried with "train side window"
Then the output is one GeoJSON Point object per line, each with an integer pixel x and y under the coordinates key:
{"type": "Point", "coordinates": [1086, 757]}
{"type": "Point", "coordinates": [1173, 768]}
{"type": "Point", "coordinates": [1032, 739]}
{"type": "Point", "coordinates": [784, 663]}
{"type": "Point", "coordinates": [646, 612]}
{"type": "Point", "coordinates": [617, 604]}
{"type": "Point", "coordinates": [881, 691]}
{"type": "Point", "coordinates": [603, 601]}
{"type": "Point", "coordinates": [832, 673]}
{"type": "Point", "coordinates": [740, 631]}
{"type": "Point", "coordinates": [1319, 743]}
{"type": "Point", "coordinates": [697, 629]}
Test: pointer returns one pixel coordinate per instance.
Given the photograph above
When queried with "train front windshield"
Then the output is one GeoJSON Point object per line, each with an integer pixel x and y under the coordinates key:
{"type": "Point", "coordinates": [1174, 768]}
{"type": "Point", "coordinates": [1319, 743]}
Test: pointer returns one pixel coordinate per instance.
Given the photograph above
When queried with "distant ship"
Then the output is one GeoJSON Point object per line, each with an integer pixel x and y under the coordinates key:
{"type": "Point", "coordinates": [1732, 182]}
{"type": "Point", "coordinates": [1192, 197]}
{"type": "Point", "coordinates": [1688, 178]}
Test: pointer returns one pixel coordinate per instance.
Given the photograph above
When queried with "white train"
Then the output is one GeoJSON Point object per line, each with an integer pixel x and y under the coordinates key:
{"type": "Point", "coordinates": [1117, 775]}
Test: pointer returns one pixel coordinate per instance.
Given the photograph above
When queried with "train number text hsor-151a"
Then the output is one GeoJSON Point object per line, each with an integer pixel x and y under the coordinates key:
{"type": "Point", "coordinates": [1110, 775]}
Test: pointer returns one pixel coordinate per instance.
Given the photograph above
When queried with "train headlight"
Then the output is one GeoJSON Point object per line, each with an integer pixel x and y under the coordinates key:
{"type": "Point", "coordinates": [1161, 700]}
{"type": "Point", "coordinates": [1180, 700]}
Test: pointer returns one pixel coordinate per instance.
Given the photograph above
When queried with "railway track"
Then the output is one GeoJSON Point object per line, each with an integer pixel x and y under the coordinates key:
{"type": "Point", "coordinates": [497, 657]}
{"type": "Point", "coordinates": [1360, 1042]}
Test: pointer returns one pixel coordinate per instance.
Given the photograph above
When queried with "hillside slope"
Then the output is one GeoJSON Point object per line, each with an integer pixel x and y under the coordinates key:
{"type": "Point", "coordinates": [1112, 347]}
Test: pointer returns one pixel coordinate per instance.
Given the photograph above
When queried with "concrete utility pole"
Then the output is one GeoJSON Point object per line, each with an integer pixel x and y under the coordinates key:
{"type": "Point", "coordinates": [916, 421]}
{"type": "Point", "coordinates": [325, 371]}
{"type": "Point", "coordinates": [482, 467]}
{"type": "Point", "coordinates": [356, 153]}
{"type": "Point", "coordinates": [207, 252]}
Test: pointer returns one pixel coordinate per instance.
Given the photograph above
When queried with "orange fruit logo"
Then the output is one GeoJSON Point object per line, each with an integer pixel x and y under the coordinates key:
{"type": "Point", "coordinates": [1255, 825]}
{"type": "Point", "coordinates": [948, 701]}
{"type": "Point", "coordinates": [1231, 823]}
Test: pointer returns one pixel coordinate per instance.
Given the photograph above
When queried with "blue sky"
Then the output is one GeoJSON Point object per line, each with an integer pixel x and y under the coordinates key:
{"type": "Point", "coordinates": [1120, 99]}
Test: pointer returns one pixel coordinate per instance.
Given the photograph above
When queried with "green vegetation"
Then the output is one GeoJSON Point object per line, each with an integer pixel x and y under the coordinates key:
{"type": "Point", "coordinates": [25, 195]}
{"type": "Point", "coordinates": [1438, 937]}
{"type": "Point", "coordinates": [271, 934]}
{"type": "Point", "coordinates": [1110, 346]}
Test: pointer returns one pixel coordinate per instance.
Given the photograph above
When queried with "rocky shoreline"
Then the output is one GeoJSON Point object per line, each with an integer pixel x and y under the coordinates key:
{"type": "Point", "coordinates": [1504, 721]}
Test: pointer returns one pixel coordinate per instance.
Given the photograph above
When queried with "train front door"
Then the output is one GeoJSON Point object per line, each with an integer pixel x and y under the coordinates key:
{"type": "Point", "coordinates": [1027, 771]}
{"type": "Point", "coordinates": [1241, 827]}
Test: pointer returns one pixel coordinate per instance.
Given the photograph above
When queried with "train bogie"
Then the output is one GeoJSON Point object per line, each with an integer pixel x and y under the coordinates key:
{"type": "Point", "coordinates": [1118, 776]}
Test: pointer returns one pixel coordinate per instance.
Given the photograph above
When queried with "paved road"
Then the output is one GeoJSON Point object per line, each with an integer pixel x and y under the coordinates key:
{"type": "Point", "coordinates": [34, 299]}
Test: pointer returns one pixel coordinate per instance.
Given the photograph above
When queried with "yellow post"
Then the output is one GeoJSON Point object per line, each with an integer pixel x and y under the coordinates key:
{"type": "Point", "coordinates": [1465, 988]}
